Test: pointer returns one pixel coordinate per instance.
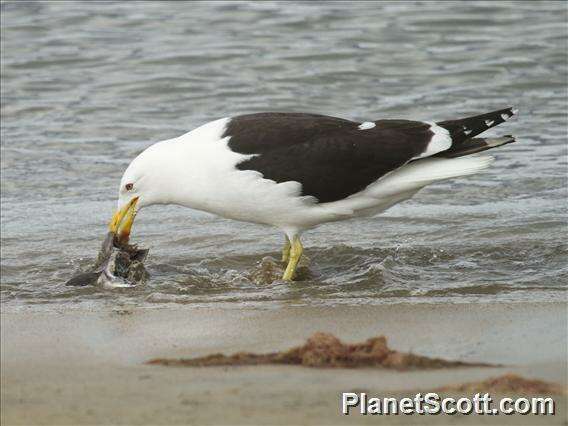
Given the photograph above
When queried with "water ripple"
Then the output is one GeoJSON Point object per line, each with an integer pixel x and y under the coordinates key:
{"type": "Point", "coordinates": [85, 88]}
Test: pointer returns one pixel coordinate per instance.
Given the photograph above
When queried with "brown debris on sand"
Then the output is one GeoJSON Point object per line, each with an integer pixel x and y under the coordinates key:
{"type": "Point", "coordinates": [508, 384]}
{"type": "Point", "coordinates": [324, 350]}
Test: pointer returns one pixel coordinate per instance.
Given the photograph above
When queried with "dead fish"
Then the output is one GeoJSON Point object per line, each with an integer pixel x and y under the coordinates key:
{"type": "Point", "coordinates": [117, 265]}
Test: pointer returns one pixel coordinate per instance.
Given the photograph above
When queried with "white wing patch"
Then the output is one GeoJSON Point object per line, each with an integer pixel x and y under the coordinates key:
{"type": "Point", "coordinates": [441, 141]}
{"type": "Point", "coordinates": [366, 125]}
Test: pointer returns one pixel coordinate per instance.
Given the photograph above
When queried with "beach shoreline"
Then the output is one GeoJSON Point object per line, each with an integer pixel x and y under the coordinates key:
{"type": "Point", "coordinates": [85, 367]}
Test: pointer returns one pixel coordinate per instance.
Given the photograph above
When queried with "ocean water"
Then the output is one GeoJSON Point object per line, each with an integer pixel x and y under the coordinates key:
{"type": "Point", "coordinates": [86, 86]}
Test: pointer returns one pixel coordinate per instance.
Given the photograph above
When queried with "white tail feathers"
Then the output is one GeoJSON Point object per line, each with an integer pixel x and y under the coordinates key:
{"type": "Point", "coordinates": [434, 169]}
{"type": "Point", "coordinates": [406, 181]}
{"type": "Point", "coordinates": [421, 173]}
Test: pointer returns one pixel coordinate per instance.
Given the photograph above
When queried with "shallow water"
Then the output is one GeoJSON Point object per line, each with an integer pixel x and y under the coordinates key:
{"type": "Point", "coordinates": [86, 86]}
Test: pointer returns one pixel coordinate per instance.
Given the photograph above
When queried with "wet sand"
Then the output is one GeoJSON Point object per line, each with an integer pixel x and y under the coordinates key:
{"type": "Point", "coordinates": [87, 367]}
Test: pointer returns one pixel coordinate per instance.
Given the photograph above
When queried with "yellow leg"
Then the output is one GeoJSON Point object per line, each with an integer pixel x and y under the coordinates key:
{"type": "Point", "coordinates": [286, 250]}
{"type": "Point", "coordinates": [296, 251]}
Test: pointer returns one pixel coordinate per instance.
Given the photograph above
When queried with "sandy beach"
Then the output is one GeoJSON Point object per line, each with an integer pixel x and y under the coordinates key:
{"type": "Point", "coordinates": [87, 367]}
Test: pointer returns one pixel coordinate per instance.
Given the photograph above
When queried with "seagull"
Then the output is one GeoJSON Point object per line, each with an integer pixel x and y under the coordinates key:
{"type": "Point", "coordinates": [295, 171]}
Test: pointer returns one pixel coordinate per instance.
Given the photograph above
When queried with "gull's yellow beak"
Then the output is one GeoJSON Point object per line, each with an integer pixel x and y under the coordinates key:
{"type": "Point", "coordinates": [122, 221]}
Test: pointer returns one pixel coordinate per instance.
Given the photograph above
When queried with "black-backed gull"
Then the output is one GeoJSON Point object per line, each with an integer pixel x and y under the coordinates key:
{"type": "Point", "coordinates": [295, 171]}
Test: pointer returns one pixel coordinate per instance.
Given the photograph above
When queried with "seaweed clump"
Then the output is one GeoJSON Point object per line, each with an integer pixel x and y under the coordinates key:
{"type": "Point", "coordinates": [508, 384]}
{"type": "Point", "coordinates": [324, 350]}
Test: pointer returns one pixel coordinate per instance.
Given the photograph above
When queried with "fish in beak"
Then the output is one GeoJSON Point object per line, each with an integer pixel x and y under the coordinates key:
{"type": "Point", "coordinates": [118, 264]}
{"type": "Point", "coordinates": [115, 266]}
{"type": "Point", "coordinates": [122, 220]}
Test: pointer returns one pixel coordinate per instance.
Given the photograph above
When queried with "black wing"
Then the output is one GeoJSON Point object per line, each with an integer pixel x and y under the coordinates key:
{"type": "Point", "coordinates": [331, 157]}
{"type": "Point", "coordinates": [264, 132]}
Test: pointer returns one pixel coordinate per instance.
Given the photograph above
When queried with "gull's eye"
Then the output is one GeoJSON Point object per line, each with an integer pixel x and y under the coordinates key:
{"type": "Point", "coordinates": [129, 186]}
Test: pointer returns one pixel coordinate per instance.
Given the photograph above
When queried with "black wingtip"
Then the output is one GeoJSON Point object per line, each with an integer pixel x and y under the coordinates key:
{"type": "Point", "coordinates": [467, 128]}
{"type": "Point", "coordinates": [475, 145]}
